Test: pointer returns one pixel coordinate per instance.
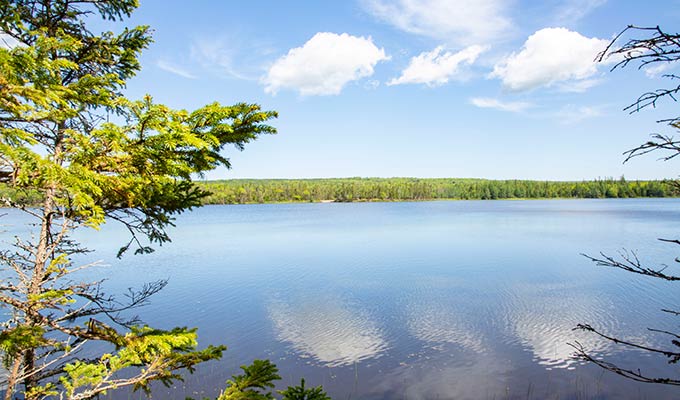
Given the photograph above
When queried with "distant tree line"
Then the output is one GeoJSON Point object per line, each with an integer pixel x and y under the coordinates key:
{"type": "Point", "coordinates": [13, 195]}
{"type": "Point", "coordinates": [245, 191]}
{"type": "Point", "coordinates": [242, 191]}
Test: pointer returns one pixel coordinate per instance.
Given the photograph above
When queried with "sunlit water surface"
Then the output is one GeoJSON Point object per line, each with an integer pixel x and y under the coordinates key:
{"type": "Point", "coordinates": [463, 299]}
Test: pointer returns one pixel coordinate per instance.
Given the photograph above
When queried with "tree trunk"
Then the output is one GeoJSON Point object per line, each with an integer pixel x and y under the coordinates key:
{"type": "Point", "coordinates": [12, 378]}
{"type": "Point", "coordinates": [42, 255]}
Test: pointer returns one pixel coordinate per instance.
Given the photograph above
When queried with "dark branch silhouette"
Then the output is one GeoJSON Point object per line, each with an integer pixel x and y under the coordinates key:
{"type": "Point", "coordinates": [647, 46]}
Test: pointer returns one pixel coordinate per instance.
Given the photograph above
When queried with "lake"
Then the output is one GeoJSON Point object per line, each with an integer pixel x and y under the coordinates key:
{"type": "Point", "coordinates": [420, 300]}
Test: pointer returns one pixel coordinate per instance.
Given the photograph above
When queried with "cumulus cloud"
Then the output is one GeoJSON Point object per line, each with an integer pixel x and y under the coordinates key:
{"type": "Point", "coordinates": [436, 67]}
{"type": "Point", "coordinates": [511, 106]}
{"type": "Point", "coordinates": [463, 22]}
{"type": "Point", "coordinates": [174, 69]}
{"type": "Point", "coordinates": [551, 56]}
{"type": "Point", "coordinates": [324, 65]}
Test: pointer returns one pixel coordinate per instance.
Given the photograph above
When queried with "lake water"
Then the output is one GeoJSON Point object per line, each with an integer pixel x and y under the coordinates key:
{"type": "Point", "coordinates": [424, 300]}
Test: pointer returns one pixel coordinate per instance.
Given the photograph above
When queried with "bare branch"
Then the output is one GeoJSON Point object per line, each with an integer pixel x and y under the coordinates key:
{"type": "Point", "coordinates": [674, 356]}
{"type": "Point", "coordinates": [631, 263]}
{"type": "Point", "coordinates": [109, 306]}
{"type": "Point", "coordinates": [635, 375]}
{"type": "Point", "coordinates": [658, 142]}
{"type": "Point", "coordinates": [653, 47]}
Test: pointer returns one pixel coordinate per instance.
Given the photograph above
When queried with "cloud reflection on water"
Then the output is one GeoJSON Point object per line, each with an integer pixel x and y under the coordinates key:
{"type": "Point", "coordinates": [327, 329]}
{"type": "Point", "coordinates": [432, 321]}
{"type": "Point", "coordinates": [542, 317]}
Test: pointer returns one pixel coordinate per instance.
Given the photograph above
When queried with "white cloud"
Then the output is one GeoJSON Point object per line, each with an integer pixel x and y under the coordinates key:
{"type": "Point", "coordinates": [511, 106]}
{"type": "Point", "coordinates": [372, 84]}
{"type": "Point", "coordinates": [655, 71]}
{"type": "Point", "coordinates": [7, 41]}
{"type": "Point", "coordinates": [578, 86]}
{"type": "Point", "coordinates": [551, 56]}
{"type": "Point", "coordinates": [571, 114]}
{"type": "Point", "coordinates": [218, 54]}
{"type": "Point", "coordinates": [167, 66]}
{"type": "Point", "coordinates": [324, 65]}
{"type": "Point", "coordinates": [463, 22]}
{"type": "Point", "coordinates": [572, 11]}
{"type": "Point", "coordinates": [436, 67]}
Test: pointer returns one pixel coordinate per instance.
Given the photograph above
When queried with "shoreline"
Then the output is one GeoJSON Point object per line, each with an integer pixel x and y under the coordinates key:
{"type": "Point", "coordinates": [371, 190]}
{"type": "Point", "coordinates": [437, 200]}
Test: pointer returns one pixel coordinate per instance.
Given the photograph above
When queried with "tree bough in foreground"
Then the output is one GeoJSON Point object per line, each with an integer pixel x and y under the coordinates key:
{"type": "Point", "coordinates": [647, 47]}
{"type": "Point", "coordinates": [60, 86]}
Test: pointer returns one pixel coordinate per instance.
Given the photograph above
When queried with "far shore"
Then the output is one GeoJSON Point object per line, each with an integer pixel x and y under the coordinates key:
{"type": "Point", "coordinates": [357, 190]}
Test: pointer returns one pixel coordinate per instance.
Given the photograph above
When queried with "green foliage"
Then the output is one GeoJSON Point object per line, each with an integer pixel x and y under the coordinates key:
{"type": "Point", "coordinates": [14, 341]}
{"type": "Point", "coordinates": [241, 191]}
{"type": "Point", "coordinates": [79, 153]}
{"type": "Point", "coordinates": [253, 383]}
{"type": "Point", "coordinates": [246, 191]}
{"type": "Point", "coordinates": [57, 89]}
{"type": "Point", "coordinates": [257, 382]}
{"type": "Point", "coordinates": [166, 351]}
{"type": "Point", "coordinates": [302, 393]}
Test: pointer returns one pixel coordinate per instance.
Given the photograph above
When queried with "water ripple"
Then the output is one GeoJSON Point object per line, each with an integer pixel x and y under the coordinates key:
{"type": "Point", "coordinates": [541, 317]}
{"type": "Point", "coordinates": [327, 330]}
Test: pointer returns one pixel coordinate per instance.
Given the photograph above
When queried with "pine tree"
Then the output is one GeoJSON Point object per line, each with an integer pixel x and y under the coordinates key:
{"type": "Point", "coordinates": [60, 85]}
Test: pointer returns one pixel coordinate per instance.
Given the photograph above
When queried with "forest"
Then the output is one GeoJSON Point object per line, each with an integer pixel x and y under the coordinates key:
{"type": "Point", "coordinates": [250, 191]}
{"type": "Point", "coordinates": [244, 191]}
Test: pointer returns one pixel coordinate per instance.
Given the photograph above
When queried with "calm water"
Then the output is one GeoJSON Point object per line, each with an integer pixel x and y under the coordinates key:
{"type": "Point", "coordinates": [465, 299]}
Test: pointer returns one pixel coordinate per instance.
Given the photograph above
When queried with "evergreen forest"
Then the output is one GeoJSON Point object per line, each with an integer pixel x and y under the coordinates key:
{"type": "Point", "coordinates": [244, 191]}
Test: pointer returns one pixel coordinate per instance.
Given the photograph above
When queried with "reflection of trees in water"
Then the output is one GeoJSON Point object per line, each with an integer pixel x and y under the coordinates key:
{"type": "Point", "coordinates": [327, 329]}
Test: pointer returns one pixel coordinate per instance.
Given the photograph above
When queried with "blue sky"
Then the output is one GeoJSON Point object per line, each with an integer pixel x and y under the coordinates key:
{"type": "Point", "coordinates": [426, 88]}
